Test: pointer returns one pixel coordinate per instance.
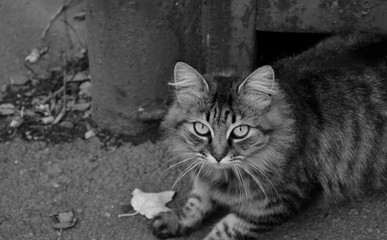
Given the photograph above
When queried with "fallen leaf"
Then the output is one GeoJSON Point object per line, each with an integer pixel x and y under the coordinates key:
{"type": "Point", "coordinates": [85, 89]}
{"type": "Point", "coordinates": [43, 108]}
{"type": "Point", "coordinates": [79, 77]}
{"type": "Point", "coordinates": [64, 220]}
{"type": "Point", "coordinates": [151, 204]}
{"type": "Point", "coordinates": [7, 109]}
{"type": "Point", "coordinates": [47, 120]}
{"type": "Point", "coordinates": [16, 122]}
{"type": "Point", "coordinates": [36, 54]}
{"type": "Point", "coordinates": [89, 134]}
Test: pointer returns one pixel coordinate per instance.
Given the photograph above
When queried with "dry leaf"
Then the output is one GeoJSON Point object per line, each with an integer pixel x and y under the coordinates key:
{"type": "Point", "coordinates": [36, 54]}
{"type": "Point", "coordinates": [7, 109]}
{"type": "Point", "coordinates": [89, 134]}
{"type": "Point", "coordinates": [151, 204]}
{"type": "Point", "coordinates": [64, 220]}
{"type": "Point", "coordinates": [85, 89]}
{"type": "Point", "coordinates": [16, 122]}
{"type": "Point", "coordinates": [79, 77]}
{"type": "Point", "coordinates": [47, 120]}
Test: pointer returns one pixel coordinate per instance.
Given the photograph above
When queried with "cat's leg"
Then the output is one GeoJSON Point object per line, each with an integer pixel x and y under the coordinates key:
{"type": "Point", "coordinates": [179, 222]}
{"type": "Point", "coordinates": [247, 224]}
{"type": "Point", "coordinates": [230, 227]}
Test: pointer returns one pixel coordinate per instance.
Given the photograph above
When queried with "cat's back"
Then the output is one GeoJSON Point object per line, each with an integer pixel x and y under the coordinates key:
{"type": "Point", "coordinates": [342, 74]}
{"type": "Point", "coordinates": [338, 93]}
{"type": "Point", "coordinates": [344, 51]}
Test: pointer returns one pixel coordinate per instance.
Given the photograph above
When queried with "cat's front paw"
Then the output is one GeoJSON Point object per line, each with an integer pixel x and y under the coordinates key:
{"type": "Point", "coordinates": [166, 225]}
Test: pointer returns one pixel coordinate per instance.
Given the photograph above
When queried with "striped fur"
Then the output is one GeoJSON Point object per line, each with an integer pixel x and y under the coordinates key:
{"type": "Point", "coordinates": [319, 125]}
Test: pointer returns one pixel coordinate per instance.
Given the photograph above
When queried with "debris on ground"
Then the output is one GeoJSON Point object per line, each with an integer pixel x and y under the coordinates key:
{"type": "Point", "coordinates": [63, 220]}
{"type": "Point", "coordinates": [149, 204]}
{"type": "Point", "coordinates": [36, 54]}
{"type": "Point", "coordinates": [55, 106]}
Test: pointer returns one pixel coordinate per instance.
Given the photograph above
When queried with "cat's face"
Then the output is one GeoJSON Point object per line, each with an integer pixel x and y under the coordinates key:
{"type": "Point", "coordinates": [224, 121]}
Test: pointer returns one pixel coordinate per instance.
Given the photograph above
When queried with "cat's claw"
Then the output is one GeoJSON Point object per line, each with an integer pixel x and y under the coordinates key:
{"type": "Point", "coordinates": [166, 225]}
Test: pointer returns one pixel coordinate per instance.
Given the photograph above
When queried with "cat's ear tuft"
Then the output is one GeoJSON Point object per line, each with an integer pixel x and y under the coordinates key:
{"type": "Point", "coordinates": [188, 82]}
{"type": "Point", "coordinates": [261, 80]}
{"type": "Point", "coordinates": [186, 76]}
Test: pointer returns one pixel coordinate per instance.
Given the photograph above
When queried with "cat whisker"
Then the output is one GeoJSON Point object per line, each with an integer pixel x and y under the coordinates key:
{"type": "Point", "coordinates": [262, 172]}
{"type": "Point", "coordinates": [170, 160]}
{"type": "Point", "coordinates": [244, 190]}
{"type": "Point", "coordinates": [254, 178]}
{"type": "Point", "coordinates": [188, 169]}
{"type": "Point", "coordinates": [180, 162]}
{"type": "Point", "coordinates": [197, 174]}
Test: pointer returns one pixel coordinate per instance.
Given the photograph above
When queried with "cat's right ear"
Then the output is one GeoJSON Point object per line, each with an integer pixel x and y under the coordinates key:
{"type": "Point", "coordinates": [262, 80]}
{"type": "Point", "coordinates": [189, 84]}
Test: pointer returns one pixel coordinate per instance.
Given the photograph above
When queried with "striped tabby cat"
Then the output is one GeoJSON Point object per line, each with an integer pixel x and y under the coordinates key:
{"type": "Point", "coordinates": [261, 145]}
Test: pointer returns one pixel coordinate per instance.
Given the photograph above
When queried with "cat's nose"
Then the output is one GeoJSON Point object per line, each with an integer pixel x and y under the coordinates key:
{"type": "Point", "coordinates": [219, 156]}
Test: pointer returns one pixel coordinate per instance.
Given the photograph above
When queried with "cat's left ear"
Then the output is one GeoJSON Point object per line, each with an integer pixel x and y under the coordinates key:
{"type": "Point", "coordinates": [261, 80]}
{"type": "Point", "coordinates": [189, 84]}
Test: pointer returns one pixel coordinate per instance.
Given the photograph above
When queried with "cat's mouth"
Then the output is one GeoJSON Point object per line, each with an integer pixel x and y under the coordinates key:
{"type": "Point", "coordinates": [218, 165]}
{"type": "Point", "coordinates": [225, 163]}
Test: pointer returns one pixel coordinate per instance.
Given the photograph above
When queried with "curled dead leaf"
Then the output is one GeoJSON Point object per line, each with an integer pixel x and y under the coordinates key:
{"type": "Point", "coordinates": [64, 220]}
{"type": "Point", "coordinates": [7, 109]}
{"type": "Point", "coordinates": [149, 204]}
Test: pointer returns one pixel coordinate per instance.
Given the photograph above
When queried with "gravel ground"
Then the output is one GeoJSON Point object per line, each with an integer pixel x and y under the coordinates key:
{"type": "Point", "coordinates": [39, 179]}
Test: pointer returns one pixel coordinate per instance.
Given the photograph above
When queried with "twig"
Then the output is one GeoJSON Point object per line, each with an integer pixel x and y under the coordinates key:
{"type": "Point", "coordinates": [64, 79]}
{"type": "Point", "coordinates": [59, 233]}
{"type": "Point", "coordinates": [48, 98]}
{"type": "Point", "coordinates": [62, 113]}
{"type": "Point", "coordinates": [128, 214]}
{"type": "Point", "coordinates": [53, 18]}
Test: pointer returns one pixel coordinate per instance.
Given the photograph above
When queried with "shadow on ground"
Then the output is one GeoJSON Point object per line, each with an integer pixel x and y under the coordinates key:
{"type": "Point", "coordinates": [38, 180]}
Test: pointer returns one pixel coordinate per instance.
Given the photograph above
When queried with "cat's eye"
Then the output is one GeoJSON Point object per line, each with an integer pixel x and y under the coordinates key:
{"type": "Point", "coordinates": [201, 129]}
{"type": "Point", "coordinates": [240, 132]}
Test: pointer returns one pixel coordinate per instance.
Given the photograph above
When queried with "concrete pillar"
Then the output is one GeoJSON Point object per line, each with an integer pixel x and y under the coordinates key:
{"type": "Point", "coordinates": [228, 34]}
{"type": "Point", "coordinates": [132, 51]}
{"type": "Point", "coordinates": [133, 46]}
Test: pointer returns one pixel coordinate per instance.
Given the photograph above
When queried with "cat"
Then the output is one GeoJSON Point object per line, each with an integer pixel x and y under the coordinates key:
{"type": "Point", "coordinates": [261, 145]}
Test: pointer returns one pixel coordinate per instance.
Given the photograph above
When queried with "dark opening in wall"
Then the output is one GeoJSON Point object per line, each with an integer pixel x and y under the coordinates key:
{"type": "Point", "coordinates": [272, 46]}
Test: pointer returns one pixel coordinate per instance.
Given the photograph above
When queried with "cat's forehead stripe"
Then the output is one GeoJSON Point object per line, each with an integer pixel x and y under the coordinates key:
{"type": "Point", "coordinates": [221, 110]}
{"type": "Point", "coordinates": [221, 115]}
